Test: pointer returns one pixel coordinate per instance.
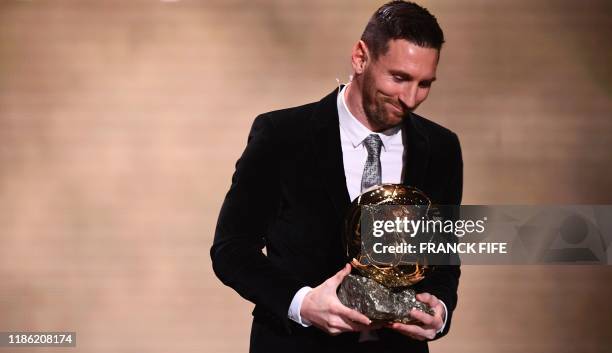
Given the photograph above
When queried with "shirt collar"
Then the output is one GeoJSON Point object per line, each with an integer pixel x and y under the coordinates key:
{"type": "Point", "coordinates": [355, 130]}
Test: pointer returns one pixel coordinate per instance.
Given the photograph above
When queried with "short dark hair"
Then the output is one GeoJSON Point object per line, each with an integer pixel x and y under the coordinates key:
{"type": "Point", "coordinates": [402, 20]}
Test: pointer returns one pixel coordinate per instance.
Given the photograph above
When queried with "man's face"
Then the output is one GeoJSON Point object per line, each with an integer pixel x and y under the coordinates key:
{"type": "Point", "coordinates": [397, 82]}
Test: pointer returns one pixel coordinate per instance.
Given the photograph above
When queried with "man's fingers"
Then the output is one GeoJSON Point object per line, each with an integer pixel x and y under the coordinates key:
{"type": "Point", "coordinates": [339, 324]}
{"type": "Point", "coordinates": [426, 319]}
{"type": "Point", "coordinates": [428, 299]}
{"type": "Point", "coordinates": [355, 326]}
{"type": "Point", "coordinates": [413, 331]}
{"type": "Point", "coordinates": [339, 276]}
{"type": "Point", "coordinates": [354, 315]}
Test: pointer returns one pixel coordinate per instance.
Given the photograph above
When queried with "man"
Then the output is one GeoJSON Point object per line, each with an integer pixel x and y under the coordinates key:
{"type": "Point", "coordinates": [294, 182]}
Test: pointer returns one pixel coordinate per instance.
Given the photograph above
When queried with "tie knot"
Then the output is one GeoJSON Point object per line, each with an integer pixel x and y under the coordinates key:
{"type": "Point", "coordinates": [373, 143]}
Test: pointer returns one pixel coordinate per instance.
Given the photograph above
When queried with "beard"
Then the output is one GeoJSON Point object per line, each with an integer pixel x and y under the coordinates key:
{"type": "Point", "coordinates": [376, 107]}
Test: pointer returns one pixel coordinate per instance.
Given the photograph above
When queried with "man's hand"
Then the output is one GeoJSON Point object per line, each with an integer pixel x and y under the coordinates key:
{"type": "Point", "coordinates": [323, 309]}
{"type": "Point", "coordinates": [430, 324]}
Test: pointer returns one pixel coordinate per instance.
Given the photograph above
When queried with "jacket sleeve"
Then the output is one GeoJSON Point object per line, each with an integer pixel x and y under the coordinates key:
{"type": "Point", "coordinates": [247, 212]}
{"type": "Point", "coordinates": [444, 280]}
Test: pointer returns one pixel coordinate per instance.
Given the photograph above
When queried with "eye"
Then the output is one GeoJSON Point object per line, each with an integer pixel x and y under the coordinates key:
{"type": "Point", "coordinates": [398, 78]}
{"type": "Point", "coordinates": [425, 84]}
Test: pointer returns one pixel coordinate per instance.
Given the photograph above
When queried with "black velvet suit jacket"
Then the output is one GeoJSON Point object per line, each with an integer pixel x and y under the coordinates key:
{"type": "Point", "coordinates": [289, 194]}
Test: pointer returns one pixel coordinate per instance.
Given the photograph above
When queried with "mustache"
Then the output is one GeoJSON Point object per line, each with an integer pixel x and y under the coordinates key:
{"type": "Point", "coordinates": [398, 105]}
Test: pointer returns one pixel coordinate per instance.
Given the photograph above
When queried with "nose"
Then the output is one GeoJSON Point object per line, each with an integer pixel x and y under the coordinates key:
{"type": "Point", "coordinates": [408, 96]}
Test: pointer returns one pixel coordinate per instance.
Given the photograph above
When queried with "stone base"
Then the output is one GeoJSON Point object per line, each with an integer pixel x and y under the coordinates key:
{"type": "Point", "coordinates": [378, 302]}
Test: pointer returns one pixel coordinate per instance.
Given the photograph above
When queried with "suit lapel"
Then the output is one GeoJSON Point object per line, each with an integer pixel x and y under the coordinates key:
{"type": "Point", "coordinates": [416, 152]}
{"type": "Point", "coordinates": [328, 152]}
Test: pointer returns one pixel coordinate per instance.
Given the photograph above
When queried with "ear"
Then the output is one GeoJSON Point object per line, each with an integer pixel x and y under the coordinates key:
{"type": "Point", "coordinates": [360, 57]}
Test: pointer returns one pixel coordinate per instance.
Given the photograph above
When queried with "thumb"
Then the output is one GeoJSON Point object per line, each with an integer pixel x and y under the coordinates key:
{"type": "Point", "coordinates": [339, 276]}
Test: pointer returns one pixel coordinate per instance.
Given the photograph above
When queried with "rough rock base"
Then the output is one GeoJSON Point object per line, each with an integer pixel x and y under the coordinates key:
{"type": "Point", "coordinates": [378, 302]}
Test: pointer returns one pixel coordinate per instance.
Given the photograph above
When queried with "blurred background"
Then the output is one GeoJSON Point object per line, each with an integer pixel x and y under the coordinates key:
{"type": "Point", "coordinates": [121, 121]}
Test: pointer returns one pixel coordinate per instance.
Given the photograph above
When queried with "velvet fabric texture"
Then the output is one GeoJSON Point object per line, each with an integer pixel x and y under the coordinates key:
{"type": "Point", "coordinates": [289, 194]}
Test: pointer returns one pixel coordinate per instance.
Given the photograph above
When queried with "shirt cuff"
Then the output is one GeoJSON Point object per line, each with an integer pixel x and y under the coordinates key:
{"type": "Point", "coordinates": [444, 319]}
{"type": "Point", "coordinates": [296, 306]}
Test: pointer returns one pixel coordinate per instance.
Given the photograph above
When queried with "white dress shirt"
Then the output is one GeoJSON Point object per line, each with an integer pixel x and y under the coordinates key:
{"type": "Point", "coordinates": [354, 155]}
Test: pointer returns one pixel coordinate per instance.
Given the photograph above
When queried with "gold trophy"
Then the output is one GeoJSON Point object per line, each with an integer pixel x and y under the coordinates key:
{"type": "Point", "coordinates": [379, 287]}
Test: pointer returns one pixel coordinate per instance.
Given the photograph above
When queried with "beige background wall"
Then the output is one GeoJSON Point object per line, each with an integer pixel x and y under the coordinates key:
{"type": "Point", "coordinates": [120, 122]}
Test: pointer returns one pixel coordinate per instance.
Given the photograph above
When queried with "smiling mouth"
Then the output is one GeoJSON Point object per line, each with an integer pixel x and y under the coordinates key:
{"type": "Point", "coordinates": [397, 110]}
